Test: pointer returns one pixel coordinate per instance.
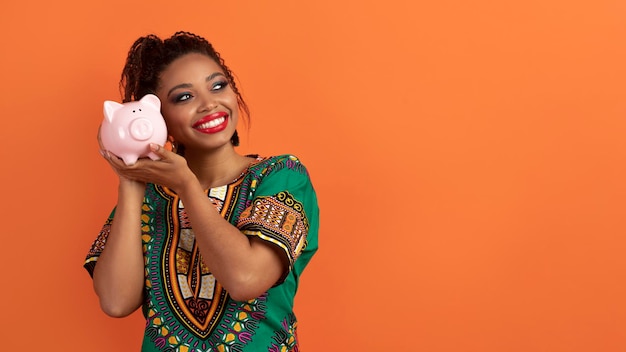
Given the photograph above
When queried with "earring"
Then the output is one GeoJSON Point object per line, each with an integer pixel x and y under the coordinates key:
{"type": "Point", "coordinates": [235, 139]}
{"type": "Point", "coordinates": [173, 144]}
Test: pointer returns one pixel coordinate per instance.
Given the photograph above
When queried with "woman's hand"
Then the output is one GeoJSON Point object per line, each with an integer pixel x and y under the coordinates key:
{"type": "Point", "coordinates": [139, 186]}
{"type": "Point", "coordinates": [170, 171]}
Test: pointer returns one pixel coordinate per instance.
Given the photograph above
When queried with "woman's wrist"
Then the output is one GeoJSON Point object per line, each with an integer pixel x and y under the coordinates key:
{"type": "Point", "coordinates": [189, 188]}
{"type": "Point", "coordinates": [128, 187]}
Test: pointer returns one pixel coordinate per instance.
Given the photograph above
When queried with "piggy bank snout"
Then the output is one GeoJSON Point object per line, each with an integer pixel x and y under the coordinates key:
{"type": "Point", "coordinates": [141, 129]}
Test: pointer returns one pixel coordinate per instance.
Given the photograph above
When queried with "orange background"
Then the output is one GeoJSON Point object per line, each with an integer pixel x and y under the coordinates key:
{"type": "Point", "coordinates": [469, 157]}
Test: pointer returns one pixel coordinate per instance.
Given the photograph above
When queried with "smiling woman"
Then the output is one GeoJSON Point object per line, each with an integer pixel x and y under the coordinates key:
{"type": "Point", "coordinates": [210, 243]}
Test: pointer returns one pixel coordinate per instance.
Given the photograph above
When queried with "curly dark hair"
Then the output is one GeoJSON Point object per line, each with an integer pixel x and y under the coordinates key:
{"type": "Point", "coordinates": [150, 55]}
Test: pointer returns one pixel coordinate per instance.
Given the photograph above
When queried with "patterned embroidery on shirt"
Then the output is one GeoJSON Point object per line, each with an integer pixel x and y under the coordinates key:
{"type": "Point", "coordinates": [235, 330]}
{"type": "Point", "coordinates": [260, 170]}
{"type": "Point", "coordinates": [286, 340]}
{"type": "Point", "coordinates": [279, 219]}
{"type": "Point", "coordinates": [204, 317]}
{"type": "Point", "coordinates": [97, 247]}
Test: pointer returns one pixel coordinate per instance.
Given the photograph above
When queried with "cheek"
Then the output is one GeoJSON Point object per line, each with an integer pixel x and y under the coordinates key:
{"type": "Point", "coordinates": [172, 113]}
{"type": "Point", "coordinates": [230, 100]}
{"type": "Point", "coordinates": [168, 119]}
{"type": "Point", "coordinates": [233, 105]}
{"type": "Point", "coordinates": [172, 120]}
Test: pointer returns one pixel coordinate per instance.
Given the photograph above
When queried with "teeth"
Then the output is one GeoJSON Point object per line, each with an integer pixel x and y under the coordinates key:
{"type": "Point", "coordinates": [211, 123]}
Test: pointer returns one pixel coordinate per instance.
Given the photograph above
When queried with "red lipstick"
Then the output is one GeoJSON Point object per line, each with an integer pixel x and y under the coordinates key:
{"type": "Point", "coordinates": [212, 123]}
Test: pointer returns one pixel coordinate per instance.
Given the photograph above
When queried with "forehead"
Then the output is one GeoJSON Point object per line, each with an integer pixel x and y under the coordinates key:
{"type": "Point", "coordinates": [188, 69]}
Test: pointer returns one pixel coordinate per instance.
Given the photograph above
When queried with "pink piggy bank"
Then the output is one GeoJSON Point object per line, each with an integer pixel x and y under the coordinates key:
{"type": "Point", "coordinates": [128, 129]}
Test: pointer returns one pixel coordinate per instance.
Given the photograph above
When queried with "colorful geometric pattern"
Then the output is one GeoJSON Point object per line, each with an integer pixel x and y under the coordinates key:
{"type": "Point", "coordinates": [97, 247]}
{"type": "Point", "coordinates": [286, 340]}
{"type": "Point", "coordinates": [193, 301]}
{"type": "Point", "coordinates": [279, 219]}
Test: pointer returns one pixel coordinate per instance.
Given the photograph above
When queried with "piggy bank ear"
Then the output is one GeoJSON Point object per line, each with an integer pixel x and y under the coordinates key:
{"type": "Point", "coordinates": [152, 100]}
{"type": "Point", "coordinates": [110, 107]}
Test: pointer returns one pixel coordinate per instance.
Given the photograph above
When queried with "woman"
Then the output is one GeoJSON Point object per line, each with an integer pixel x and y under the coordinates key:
{"type": "Point", "coordinates": [210, 243]}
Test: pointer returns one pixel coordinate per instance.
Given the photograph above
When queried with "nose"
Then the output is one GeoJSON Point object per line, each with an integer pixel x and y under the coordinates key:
{"type": "Point", "coordinates": [206, 102]}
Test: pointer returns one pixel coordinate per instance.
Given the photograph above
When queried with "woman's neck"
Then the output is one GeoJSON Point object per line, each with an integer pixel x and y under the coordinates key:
{"type": "Point", "coordinates": [216, 168]}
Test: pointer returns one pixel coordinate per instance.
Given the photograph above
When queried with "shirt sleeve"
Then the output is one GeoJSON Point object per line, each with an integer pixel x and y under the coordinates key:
{"type": "Point", "coordinates": [283, 209]}
{"type": "Point", "coordinates": [98, 246]}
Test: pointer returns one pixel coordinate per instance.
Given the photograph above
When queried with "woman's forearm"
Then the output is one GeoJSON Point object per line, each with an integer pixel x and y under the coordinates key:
{"type": "Point", "coordinates": [245, 266]}
{"type": "Point", "coordinates": [119, 273]}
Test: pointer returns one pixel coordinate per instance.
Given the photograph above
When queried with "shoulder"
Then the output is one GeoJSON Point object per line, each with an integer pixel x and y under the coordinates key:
{"type": "Point", "coordinates": [274, 174]}
{"type": "Point", "coordinates": [284, 163]}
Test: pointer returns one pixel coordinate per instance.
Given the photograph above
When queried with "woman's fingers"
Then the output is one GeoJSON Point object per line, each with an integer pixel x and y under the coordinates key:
{"type": "Point", "coordinates": [162, 152]}
{"type": "Point", "coordinates": [166, 171]}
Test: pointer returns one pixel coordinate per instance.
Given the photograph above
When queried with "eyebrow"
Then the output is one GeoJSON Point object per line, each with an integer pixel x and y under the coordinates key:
{"type": "Point", "coordinates": [188, 85]}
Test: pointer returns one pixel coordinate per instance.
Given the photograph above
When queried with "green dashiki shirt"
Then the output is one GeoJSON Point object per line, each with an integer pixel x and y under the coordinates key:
{"type": "Point", "coordinates": [185, 308]}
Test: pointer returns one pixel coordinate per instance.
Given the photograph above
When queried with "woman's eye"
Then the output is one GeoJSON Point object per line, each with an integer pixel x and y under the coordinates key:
{"type": "Point", "coordinates": [219, 85]}
{"type": "Point", "coordinates": [182, 97]}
